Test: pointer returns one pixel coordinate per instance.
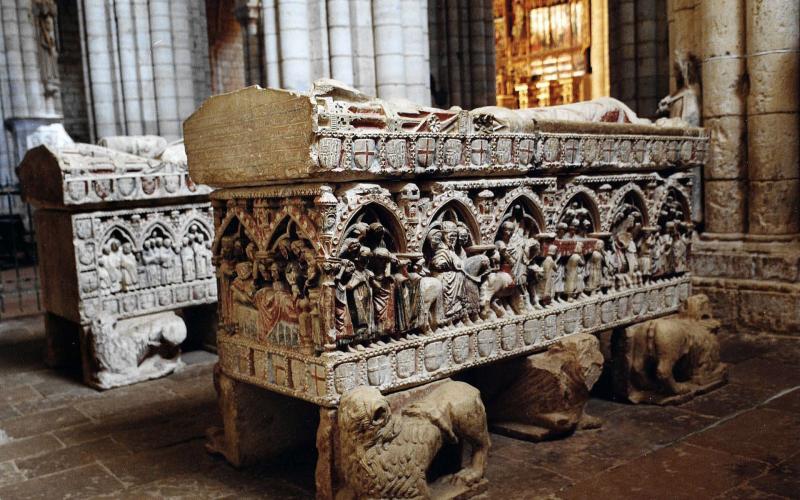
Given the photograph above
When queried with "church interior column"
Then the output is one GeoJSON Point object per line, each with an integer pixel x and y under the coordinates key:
{"type": "Point", "coordinates": [339, 41]}
{"type": "Point", "coordinates": [773, 102]}
{"type": "Point", "coordinates": [390, 72]}
{"type": "Point", "coordinates": [129, 68]}
{"type": "Point", "coordinates": [169, 124]}
{"type": "Point", "coordinates": [295, 46]}
{"type": "Point", "coordinates": [723, 70]}
{"type": "Point", "coordinates": [182, 55]}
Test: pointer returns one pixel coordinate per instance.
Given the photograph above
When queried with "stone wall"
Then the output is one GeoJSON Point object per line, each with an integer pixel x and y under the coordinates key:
{"type": "Point", "coordinates": [747, 258]}
{"type": "Point", "coordinates": [143, 59]}
{"type": "Point", "coordinates": [70, 68]}
{"type": "Point", "coordinates": [639, 53]}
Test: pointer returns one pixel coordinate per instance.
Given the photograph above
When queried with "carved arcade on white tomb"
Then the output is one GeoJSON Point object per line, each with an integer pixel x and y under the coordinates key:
{"type": "Point", "coordinates": [128, 244]}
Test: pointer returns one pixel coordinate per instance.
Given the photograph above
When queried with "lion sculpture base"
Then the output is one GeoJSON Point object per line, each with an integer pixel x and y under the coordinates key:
{"type": "Point", "coordinates": [387, 455]}
{"type": "Point", "coordinates": [669, 360]}
{"type": "Point", "coordinates": [133, 350]}
{"type": "Point", "coordinates": [543, 396]}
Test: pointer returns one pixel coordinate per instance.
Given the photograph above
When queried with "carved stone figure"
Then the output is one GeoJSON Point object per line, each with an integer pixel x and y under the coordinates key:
{"type": "Point", "coordinates": [672, 359]}
{"type": "Point", "coordinates": [527, 228]}
{"type": "Point", "coordinates": [384, 455]}
{"type": "Point", "coordinates": [118, 262]}
{"type": "Point", "coordinates": [543, 396]}
{"type": "Point", "coordinates": [136, 349]}
{"type": "Point", "coordinates": [684, 106]}
{"type": "Point", "coordinates": [46, 15]}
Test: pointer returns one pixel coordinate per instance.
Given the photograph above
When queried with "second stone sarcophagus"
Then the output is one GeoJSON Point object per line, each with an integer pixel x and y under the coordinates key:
{"type": "Point", "coordinates": [362, 242]}
{"type": "Point", "coordinates": [124, 254]}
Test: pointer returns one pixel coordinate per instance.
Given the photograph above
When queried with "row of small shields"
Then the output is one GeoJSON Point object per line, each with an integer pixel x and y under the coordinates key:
{"type": "Point", "coordinates": [126, 186]}
{"type": "Point", "coordinates": [435, 355]}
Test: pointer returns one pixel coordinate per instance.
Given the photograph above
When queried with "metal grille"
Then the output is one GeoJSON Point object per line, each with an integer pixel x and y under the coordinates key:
{"type": "Point", "coordinates": [19, 279]}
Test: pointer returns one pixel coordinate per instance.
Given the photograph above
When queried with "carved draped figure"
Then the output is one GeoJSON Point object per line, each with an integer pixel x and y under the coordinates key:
{"type": "Point", "coordinates": [275, 305]}
{"type": "Point", "coordinates": [359, 300]}
{"type": "Point", "coordinates": [409, 306]}
{"type": "Point", "coordinates": [446, 266]}
{"type": "Point", "coordinates": [594, 271]}
{"type": "Point", "coordinates": [545, 286]}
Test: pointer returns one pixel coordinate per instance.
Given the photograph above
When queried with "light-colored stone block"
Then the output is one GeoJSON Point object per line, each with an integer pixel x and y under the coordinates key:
{"type": "Point", "coordinates": [726, 149]}
{"type": "Point", "coordinates": [773, 146]}
{"type": "Point", "coordinates": [773, 208]}
{"type": "Point", "coordinates": [774, 80]}
{"type": "Point", "coordinates": [725, 205]}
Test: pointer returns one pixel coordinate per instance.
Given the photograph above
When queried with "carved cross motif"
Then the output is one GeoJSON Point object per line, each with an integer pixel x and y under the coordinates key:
{"type": "Point", "coordinates": [364, 152]}
{"type": "Point", "coordinates": [426, 150]}
{"type": "Point", "coordinates": [525, 150]}
{"type": "Point", "coordinates": [480, 154]}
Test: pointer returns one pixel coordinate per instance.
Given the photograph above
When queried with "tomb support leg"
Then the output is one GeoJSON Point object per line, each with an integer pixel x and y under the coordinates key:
{"type": "Point", "coordinates": [258, 425]}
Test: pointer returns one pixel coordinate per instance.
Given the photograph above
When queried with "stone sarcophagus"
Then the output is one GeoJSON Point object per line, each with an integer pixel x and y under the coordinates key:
{"type": "Point", "coordinates": [416, 242]}
{"type": "Point", "coordinates": [124, 245]}
{"type": "Point", "coordinates": [360, 242]}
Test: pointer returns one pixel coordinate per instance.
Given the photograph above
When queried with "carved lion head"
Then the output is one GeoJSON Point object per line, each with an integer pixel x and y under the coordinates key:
{"type": "Point", "coordinates": [365, 415]}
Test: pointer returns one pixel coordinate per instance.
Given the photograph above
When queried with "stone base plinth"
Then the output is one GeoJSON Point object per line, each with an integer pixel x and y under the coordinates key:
{"type": "Point", "coordinates": [752, 285]}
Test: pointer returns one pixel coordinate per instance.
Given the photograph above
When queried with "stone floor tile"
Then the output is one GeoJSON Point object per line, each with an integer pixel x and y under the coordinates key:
{"type": "Point", "coordinates": [30, 425]}
{"type": "Point", "coordinates": [164, 431]}
{"type": "Point", "coordinates": [654, 426]}
{"type": "Point", "coordinates": [7, 411]}
{"type": "Point", "coordinates": [569, 457]}
{"type": "Point", "coordinates": [153, 465]}
{"type": "Point", "coordinates": [673, 473]}
{"type": "Point", "coordinates": [19, 393]}
{"type": "Point", "coordinates": [787, 402]}
{"type": "Point", "coordinates": [766, 374]}
{"type": "Point", "coordinates": [71, 457]}
{"type": "Point", "coordinates": [767, 435]}
{"type": "Point", "coordinates": [784, 350]}
{"type": "Point", "coordinates": [782, 480]}
{"type": "Point", "coordinates": [10, 474]}
{"type": "Point", "coordinates": [82, 482]}
{"type": "Point", "coordinates": [747, 492]}
{"type": "Point", "coordinates": [511, 479]}
{"type": "Point", "coordinates": [188, 486]}
{"type": "Point", "coordinates": [727, 400]}
{"type": "Point", "coordinates": [92, 430]}
{"type": "Point", "coordinates": [122, 399]}
{"type": "Point", "coordinates": [28, 447]}
{"type": "Point", "coordinates": [602, 408]}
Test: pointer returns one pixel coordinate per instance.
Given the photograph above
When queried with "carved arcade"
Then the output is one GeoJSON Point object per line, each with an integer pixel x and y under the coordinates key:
{"type": "Point", "coordinates": [332, 284]}
{"type": "Point", "coordinates": [414, 243]}
{"type": "Point", "coordinates": [129, 243]}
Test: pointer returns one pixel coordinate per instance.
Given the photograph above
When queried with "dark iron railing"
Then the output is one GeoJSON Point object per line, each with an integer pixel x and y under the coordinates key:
{"type": "Point", "coordinates": [19, 279]}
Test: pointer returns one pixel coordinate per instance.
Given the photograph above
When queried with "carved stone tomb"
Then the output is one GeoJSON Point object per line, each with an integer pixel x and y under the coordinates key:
{"type": "Point", "coordinates": [124, 251]}
{"type": "Point", "coordinates": [365, 243]}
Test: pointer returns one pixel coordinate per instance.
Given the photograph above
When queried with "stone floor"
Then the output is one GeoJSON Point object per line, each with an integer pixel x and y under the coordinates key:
{"type": "Point", "coordinates": [59, 439]}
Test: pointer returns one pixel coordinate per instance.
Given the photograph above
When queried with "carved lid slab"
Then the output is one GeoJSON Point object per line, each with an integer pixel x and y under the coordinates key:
{"type": "Point", "coordinates": [258, 136]}
{"type": "Point", "coordinates": [85, 174]}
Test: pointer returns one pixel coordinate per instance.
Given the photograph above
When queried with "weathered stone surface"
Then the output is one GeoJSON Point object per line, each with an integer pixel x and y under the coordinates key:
{"type": "Point", "coordinates": [772, 25]}
{"type": "Point", "coordinates": [769, 210]}
{"type": "Point", "coordinates": [86, 481]}
{"type": "Point", "coordinates": [257, 424]}
{"type": "Point", "coordinates": [725, 204]}
{"type": "Point", "coordinates": [723, 94]}
{"type": "Point", "coordinates": [769, 310]}
{"type": "Point", "coordinates": [723, 27]}
{"type": "Point", "coordinates": [400, 449]}
{"type": "Point", "coordinates": [727, 148]}
{"type": "Point", "coordinates": [765, 435]}
{"type": "Point", "coordinates": [543, 396]}
{"type": "Point", "coordinates": [669, 360]}
{"type": "Point", "coordinates": [773, 83]}
{"type": "Point", "coordinates": [773, 146]}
